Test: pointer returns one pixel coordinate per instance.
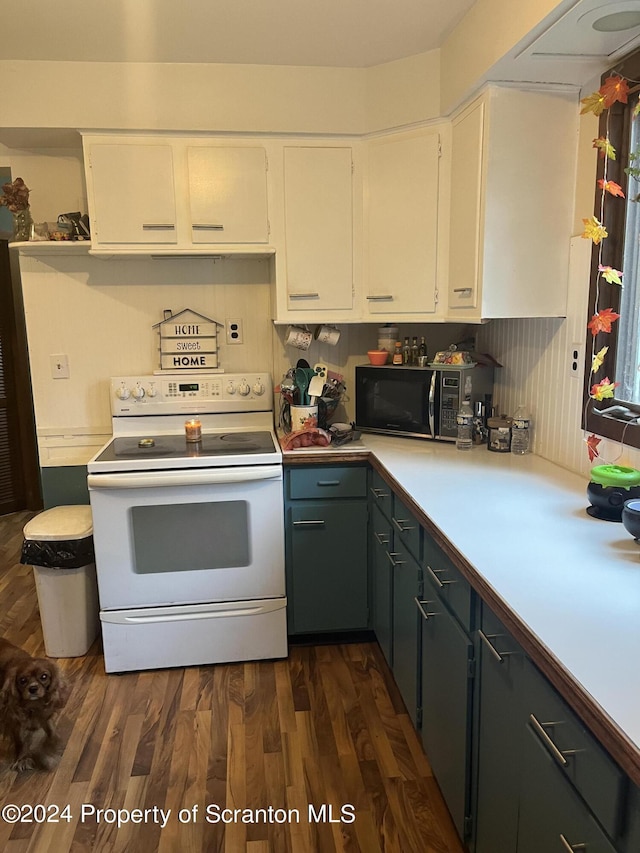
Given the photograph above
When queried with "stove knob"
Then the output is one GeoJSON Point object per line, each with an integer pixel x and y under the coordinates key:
{"type": "Point", "coordinates": [138, 392]}
{"type": "Point", "coordinates": [152, 390]}
{"type": "Point", "coordinates": [258, 389]}
{"type": "Point", "coordinates": [243, 388]}
{"type": "Point", "coordinates": [123, 393]}
{"type": "Point", "coordinates": [231, 388]}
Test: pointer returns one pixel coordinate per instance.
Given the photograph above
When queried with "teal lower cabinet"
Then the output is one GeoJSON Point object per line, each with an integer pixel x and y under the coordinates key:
{"type": "Point", "coordinates": [380, 538]}
{"type": "Point", "coordinates": [552, 816]}
{"type": "Point", "coordinates": [406, 589]}
{"type": "Point", "coordinates": [499, 731]}
{"type": "Point", "coordinates": [326, 549]}
{"type": "Point", "coordinates": [446, 700]}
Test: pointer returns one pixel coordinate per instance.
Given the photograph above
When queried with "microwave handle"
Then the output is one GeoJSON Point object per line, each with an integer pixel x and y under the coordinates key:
{"type": "Point", "coordinates": [432, 401]}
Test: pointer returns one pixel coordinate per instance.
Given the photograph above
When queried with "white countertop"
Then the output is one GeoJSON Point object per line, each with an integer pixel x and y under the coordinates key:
{"type": "Point", "coordinates": [520, 522]}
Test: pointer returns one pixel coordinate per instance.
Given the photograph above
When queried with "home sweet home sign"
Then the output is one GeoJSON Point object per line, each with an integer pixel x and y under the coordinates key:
{"type": "Point", "coordinates": [188, 341]}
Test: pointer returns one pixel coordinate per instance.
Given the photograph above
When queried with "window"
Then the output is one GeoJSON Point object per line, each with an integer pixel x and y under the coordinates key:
{"type": "Point", "coordinates": [621, 250]}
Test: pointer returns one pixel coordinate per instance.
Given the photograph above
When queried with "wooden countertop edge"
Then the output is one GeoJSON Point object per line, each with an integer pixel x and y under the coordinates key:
{"type": "Point", "coordinates": [609, 734]}
{"type": "Point", "coordinates": [290, 458]}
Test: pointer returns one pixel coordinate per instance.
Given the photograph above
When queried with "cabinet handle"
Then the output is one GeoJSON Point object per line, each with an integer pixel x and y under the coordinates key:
{"type": "Point", "coordinates": [393, 562]}
{"type": "Point", "coordinates": [386, 298]}
{"type": "Point", "coordinates": [312, 523]}
{"type": "Point", "coordinates": [204, 227]}
{"type": "Point", "coordinates": [571, 847]}
{"type": "Point", "coordinates": [463, 290]}
{"type": "Point", "coordinates": [486, 639]}
{"type": "Point", "coordinates": [420, 607]}
{"type": "Point", "coordinates": [433, 572]}
{"type": "Point", "coordinates": [538, 728]}
{"type": "Point", "coordinates": [304, 295]}
{"type": "Point", "coordinates": [378, 493]}
{"type": "Point", "coordinates": [401, 523]}
{"type": "Point", "coordinates": [382, 540]}
{"type": "Point", "coordinates": [157, 226]}
{"type": "Point", "coordinates": [328, 483]}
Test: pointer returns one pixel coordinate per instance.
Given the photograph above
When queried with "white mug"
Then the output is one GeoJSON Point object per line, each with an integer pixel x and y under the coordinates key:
{"type": "Point", "coordinates": [303, 417]}
{"type": "Point", "coordinates": [327, 335]}
{"type": "Point", "coordinates": [298, 337]}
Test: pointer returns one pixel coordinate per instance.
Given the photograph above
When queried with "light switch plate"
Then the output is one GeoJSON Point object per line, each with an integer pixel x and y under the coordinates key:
{"type": "Point", "coordinates": [59, 366]}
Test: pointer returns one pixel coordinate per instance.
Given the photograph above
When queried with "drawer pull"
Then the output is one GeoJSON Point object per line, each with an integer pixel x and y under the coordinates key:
{"type": "Point", "coordinates": [401, 524]}
{"type": "Point", "coordinates": [311, 523]}
{"type": "Point", "coordinates": [378, 493]}
{"type": "Point", "coordinates": [157, 226]}
{"type": "Point", "coordinates": [434, 574]}
{"type": "Point", "coordinates": [462, 289]}
{"type": "Point", "coordinates": [385, 298]}
{"type": "Point", "coordinates": [393, 562]}
{"type": "Point", "coordinates": [538, 728]}
{"type": "Point", "coordinates": [425, 614]}
{"type": "Point", "coordinates": [382, 540]}
{"type": "Point", "coordinates": [304, 295]}
{"type": "Point", "coordinates": [204, 227]}
{"type": "Point", "coordinates": [572, 848]}
{"type": "Point", "coordinates": [328, 483]}
{"type": "Point", "coordinates": [486, 639]}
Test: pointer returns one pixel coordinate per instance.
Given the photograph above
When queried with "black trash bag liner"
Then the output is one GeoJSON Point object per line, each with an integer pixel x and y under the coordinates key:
{"type": "Point", "coordinates": [58, 554]}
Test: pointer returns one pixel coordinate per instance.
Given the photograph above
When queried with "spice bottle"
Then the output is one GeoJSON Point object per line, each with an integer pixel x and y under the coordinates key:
{"type": "Point", "coordinates": [397, 354]}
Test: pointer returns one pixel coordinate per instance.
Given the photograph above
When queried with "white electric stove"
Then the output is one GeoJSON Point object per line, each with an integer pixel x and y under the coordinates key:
{"type": "Point", "coordinates": [189, 535]}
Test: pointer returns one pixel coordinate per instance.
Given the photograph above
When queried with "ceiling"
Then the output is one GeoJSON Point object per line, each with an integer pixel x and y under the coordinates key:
{"type": "Point", "coordinates": [340, 33]}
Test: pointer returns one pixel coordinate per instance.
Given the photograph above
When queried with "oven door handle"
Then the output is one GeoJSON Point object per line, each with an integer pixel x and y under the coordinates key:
{"type": "Point", "coordinates": [188, 477]}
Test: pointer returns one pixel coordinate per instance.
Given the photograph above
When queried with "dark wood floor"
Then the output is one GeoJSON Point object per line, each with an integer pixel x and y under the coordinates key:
{"type": "Point", "coordinates": [326, 726]}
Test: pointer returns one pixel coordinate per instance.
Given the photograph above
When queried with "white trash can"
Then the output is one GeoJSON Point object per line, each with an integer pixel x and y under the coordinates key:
{"type": "Point", "coordinates": [59, 545]}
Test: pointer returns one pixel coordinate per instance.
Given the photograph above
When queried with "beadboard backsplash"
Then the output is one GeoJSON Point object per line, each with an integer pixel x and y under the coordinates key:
{"type": "Point", "coordinates": [536, 358]}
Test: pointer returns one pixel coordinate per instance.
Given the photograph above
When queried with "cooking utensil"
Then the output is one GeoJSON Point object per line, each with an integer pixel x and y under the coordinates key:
{"type": "Point", "coordinates": [302, 384]}
{"type": "Point", "coordinates": [316, 387]}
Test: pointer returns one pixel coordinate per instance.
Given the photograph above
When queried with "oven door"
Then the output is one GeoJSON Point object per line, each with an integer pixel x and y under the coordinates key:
{"type": "Point", "coordinates": [188, 536]}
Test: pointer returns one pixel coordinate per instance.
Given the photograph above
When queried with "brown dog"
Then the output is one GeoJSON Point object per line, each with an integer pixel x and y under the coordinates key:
{"type": "Point", "coordinates": [32, 692]}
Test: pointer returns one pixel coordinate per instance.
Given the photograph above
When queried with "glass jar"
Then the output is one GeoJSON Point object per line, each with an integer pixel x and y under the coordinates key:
{"type": "Point", "coordinates": [22, 226]}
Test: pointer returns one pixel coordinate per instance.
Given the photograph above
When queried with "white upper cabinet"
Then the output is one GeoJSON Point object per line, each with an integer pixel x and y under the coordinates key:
{"type": "Point", "coordinates": [512, 189]}
{"type": "Point", "coordinates": [176, 195]}
{"type": "Point", "coordinates": [228, 194]}
{"type": "Point", "coordinates": [403, 225]}
{"type": "Point", "coordinates": [315, 272]}
{"type": "Point", "coordinates": [132, 198]}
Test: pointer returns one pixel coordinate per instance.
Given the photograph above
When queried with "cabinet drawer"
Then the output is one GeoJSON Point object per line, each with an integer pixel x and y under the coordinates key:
{"type": "Point", "coordinates": [452, 586]}
{"type": "Point", "coordinates": [576, 753]}
{"type": "Point", "coordinates": [327, 482]}
{"type": "Point", "coordinates": [406, 528]}
{"type": "Point", "coordinates": [380, 494]}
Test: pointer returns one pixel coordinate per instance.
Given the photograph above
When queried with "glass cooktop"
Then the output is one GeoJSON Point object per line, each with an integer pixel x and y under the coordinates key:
{"type": "Point", "coordinates": [141, 447]}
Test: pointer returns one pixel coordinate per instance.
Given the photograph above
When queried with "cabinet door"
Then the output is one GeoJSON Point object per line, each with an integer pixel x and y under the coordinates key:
{"type": "Point", "coordinates": [327, 566]}
{"type": "Point", "coordinates": [318, 200]}
{"type": "Point", "coordinates": [228, 194]}
{"type": "Point", "coordinates": [402, 224]}
{"type": "Point", "coordinates": [406, 582]}
{"type": "Point", "coordinates": [133, 194]}
{"type": "Point", "coordinates": [500, 678]}
{"type": "Point", "coordinates": [446, 692]}
{"type": "Point", "coordinates": [381, 579]}
{"type": "Point", "coordinates": [466, 198]}
{"type": "Point", "coordinates": [552, 816]}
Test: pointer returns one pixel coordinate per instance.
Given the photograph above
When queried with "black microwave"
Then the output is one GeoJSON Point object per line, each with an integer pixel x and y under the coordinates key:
{"type": "Point", "coordinates": [419, 402]}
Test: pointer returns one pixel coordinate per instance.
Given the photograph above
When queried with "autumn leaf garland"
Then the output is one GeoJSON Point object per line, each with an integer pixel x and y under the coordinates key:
{"type": "Point", "coordinates": [614, 89]}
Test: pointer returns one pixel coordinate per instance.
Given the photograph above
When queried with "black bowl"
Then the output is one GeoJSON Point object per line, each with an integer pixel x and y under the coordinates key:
{"type": "Point", "coordinates": [607, 501]}
{"type": "Point", "coordinates": [631, 517]}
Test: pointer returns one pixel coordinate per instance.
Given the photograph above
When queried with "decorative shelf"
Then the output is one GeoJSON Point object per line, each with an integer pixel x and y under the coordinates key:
{"type": "Point", "coordinates": [53, 247]}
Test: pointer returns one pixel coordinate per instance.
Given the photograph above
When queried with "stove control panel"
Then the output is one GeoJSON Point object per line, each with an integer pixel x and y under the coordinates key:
{"type": "Point", "coordinates": [203, 393]}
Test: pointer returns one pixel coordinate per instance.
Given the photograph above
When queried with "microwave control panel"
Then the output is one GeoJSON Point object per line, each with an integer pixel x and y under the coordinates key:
{"type": "Point", "coordinates": [449, 405]}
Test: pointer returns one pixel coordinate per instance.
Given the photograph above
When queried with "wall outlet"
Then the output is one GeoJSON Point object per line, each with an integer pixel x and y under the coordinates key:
{"type": "Point", "coordinates": [59, 366]}
{"type": "Point", "coordinates": [234, 331]}
{"type": "Point", "coordinates": [576, 360]}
